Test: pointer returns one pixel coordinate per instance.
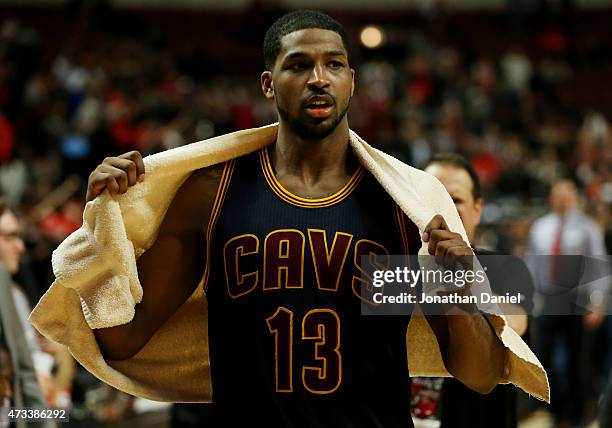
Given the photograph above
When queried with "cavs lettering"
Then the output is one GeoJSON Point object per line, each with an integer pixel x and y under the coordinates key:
{"type": "Point", "coordinates": [285, 258]}
{"type": "Point", "coordinates": [284, 284]}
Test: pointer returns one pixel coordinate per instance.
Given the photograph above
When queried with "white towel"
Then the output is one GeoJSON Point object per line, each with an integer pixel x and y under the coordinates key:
{"type": "Point", "coordinates": [97, 283]}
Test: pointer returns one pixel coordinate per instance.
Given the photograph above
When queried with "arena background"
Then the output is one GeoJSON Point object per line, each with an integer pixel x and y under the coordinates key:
{"type": "Point", "coordinates": [520, 87]}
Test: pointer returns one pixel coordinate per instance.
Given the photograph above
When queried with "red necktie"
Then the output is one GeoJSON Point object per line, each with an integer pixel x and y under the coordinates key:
{"type": "Point", "coordinates": [556, 252]}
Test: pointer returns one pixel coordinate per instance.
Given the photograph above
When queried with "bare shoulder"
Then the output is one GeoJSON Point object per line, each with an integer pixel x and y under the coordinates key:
{"type": "Point", "coordinates": [193, 201]}
{"type": "Point", "coordinates": [203, 179]}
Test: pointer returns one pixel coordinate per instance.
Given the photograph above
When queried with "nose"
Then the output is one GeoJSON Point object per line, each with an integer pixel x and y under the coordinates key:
{"type": "Point", "coordinates": [20, 246]}
{"type": "Point", "coordinates": [318, 77]}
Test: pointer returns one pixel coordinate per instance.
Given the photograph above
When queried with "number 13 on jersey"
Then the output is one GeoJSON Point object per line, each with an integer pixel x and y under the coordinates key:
{"type": "Point", "coordinates": [322, 327]}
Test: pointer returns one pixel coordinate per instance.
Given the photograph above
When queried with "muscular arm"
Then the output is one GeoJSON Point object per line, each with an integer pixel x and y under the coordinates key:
{"type": "Point", "coordinates": [171, 269]}
{"type": "Point", "coordinates": [470, 349]}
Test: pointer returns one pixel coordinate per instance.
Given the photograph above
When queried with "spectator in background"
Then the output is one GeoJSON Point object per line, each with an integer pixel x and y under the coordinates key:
{"type": "Point", "coordinates": [566, 310]}
{"type": "Point", "coordinates": [18, 378]}
{"type": "Point", "coordinates": [462, 407]}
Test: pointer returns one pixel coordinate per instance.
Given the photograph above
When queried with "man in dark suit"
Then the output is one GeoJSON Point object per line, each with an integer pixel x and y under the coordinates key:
{"type": "Point", "coordinates": [460, 406]}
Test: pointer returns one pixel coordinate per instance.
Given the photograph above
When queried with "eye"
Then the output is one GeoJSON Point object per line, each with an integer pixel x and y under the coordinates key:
{"type": "Point", "coordinates": [297, 66]}
{"type": "Point", "coordinates": [336, 64]}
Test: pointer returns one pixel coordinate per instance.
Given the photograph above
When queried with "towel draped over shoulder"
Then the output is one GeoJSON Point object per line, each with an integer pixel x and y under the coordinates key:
{"type": "Point", "coordinates": [96, 280]}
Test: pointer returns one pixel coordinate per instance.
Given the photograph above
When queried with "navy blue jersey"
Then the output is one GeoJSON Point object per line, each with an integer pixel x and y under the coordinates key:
{"type": "Point", "coordinates": [288, 345]}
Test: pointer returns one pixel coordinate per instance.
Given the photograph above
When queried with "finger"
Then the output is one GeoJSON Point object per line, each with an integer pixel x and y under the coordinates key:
{"type": "Point", "coordinates": [436, 236]}
{"type": "Point", "coordinates": [126, 165]}
{"type": "Point", "coordinates": [437, 222]}
{"type": "Point", "coordinates": [456, 255]}
{"type": "Point", "coordinates": [136, 157]}
{"type": "Point", "coordinates": [97, 184]}
{"type": "Point", "coordinates": [110, 183]}
{"type": "Point", "coordinates": [119, 176]}
{"type": "Point", "coordinates": [446, 253]}
{"type": "Point", "coordinates": [433, 224]}
{"type": "Point", "coordinates": [440, 252]}
{"type": "Point", "coordinates": [458, 251]}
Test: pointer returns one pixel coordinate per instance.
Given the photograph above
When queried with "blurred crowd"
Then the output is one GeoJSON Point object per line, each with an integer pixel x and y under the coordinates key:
{"type": "Point", "coordinates": [67, 102]}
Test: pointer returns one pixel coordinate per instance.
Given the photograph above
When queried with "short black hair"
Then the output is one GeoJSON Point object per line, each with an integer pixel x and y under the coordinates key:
{"type": "Point", "coordinates": [458, 161]}
{"type": "Point", "coordinates": [295, 21]}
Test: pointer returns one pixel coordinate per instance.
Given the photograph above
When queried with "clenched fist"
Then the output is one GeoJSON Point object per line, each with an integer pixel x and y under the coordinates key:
{"type": "Point", "coordinates": [448, 247]}
{"type": "Point", "coordinates": [116, 174]}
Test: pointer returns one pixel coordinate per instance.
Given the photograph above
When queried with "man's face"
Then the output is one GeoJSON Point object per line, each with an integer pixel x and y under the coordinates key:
{"type": "Point", "coordinates": [311, 82]}
{"type": "Point", "coordinates": [563, 196]}
{"type": "Point", "coordinates": [11, 244]}
{"type": "Point", "coordinates": [459, 184]}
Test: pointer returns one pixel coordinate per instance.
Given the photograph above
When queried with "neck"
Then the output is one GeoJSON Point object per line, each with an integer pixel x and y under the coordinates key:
{"type": "Point", "coordinates": [564, 211]}
{"type": "Point", "coordinates": [312, 159]}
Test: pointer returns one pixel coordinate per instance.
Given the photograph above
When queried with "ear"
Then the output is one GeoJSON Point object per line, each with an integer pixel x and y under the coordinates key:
{"type": "Point", "coordinates": [352, 81]}
{"type": "Point", "coordinates": [267, 86]}
{"type": "Point", "coordinates": [479, 206]}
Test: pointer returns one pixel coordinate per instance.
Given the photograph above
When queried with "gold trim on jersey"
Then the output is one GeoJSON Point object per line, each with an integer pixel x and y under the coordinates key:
{"type": "Point", "coordinates": [400, 222]}
{"type": "Point", "coordinates": [328, 255]}
{"type": "Point", "coordinates": [226, 177]}
{"type": "Point", "coordinates": [289, 197]}
{"type": "Point", "coordinates": [357, 281]}
{"type": "Point", "coordinates": [240, 278]}
{"type": "Point", "coordinates": [321, 374]}
{"type": "Point", "coordinates": [283, 255]}
{"type": "Point", "coordinates": [401, 225]}
{"type": "Point", "coordinates": [276, 332]}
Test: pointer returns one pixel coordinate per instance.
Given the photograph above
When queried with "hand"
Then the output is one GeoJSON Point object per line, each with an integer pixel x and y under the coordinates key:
{"type": "Point", "coordinates": [593, 320]}
{"type": "Point", "coordinates": [116, 174]}
{"type": "Point", "coordinates": [6, 375]}
{"type": "Point", "coordinates": [448, 247]}
{"type": "Point", "coordinates": [6, 391]}
{"type": "Point", "coordinates": [47, 385]}
{"type": "Point", "coordinates": [48, 346]}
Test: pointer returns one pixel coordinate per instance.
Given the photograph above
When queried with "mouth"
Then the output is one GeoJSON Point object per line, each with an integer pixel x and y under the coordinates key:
{"type": "Point", "coordinates": [319, 106]}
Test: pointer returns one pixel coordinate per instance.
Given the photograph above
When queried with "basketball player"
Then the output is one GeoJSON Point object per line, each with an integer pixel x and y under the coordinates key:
{"type": "Point", "coordinates": [281, 232]}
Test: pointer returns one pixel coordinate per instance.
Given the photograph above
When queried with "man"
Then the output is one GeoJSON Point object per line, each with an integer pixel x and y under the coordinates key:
{"type": "Point", "coordinates": [461, 407]}
{"type": "Point", "coordinates": [18, 379]}
{"type": "Point", "coordinates": [275, 237]}
{"type": "Point", "coordinates": [565, 309]}
{"type": "Point", "coordinates": [307, 185]}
